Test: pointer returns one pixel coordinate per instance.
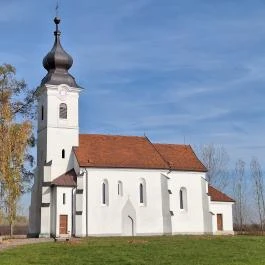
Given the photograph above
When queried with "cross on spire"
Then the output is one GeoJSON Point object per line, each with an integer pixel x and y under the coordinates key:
{"type": "Point", "coordinates": [57, 8]}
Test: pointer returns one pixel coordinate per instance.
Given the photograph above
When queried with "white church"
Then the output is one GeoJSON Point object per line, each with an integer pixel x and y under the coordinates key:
{"type": "Point", "coordinates": [111, 185]}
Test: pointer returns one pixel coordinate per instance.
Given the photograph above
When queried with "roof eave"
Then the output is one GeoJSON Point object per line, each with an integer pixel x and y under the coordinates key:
{"type": "Point", "coordinates": [223, 201]}
{"type": "Point", "coordinates": [83, 165]}
{"type": "Point", "coordinates": [64, 186]}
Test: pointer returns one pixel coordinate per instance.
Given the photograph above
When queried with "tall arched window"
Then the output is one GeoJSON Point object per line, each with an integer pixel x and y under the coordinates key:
{"type": "Point", "coordinates": [142, 192]}
{"type": "Point", "coordinates": [183, 199]}
{"type": "Point", "coordinates": [63, 153]}
{"type": "Point", "coordinates": [120, 188]}
{"type": "Point", "coordinates": [63, 111]}
{"type": "Point", "coordinates": [181, 206]}
{"type": "Point", "coordinates": [105, 193]}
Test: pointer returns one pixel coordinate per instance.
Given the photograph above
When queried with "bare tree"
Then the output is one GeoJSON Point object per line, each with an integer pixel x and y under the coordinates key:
{"type": "Point", "coordinates": [216, 160]}
{"type": "Point", "coordinates": [239, 190]}
{"type": "Point", "coordinates": [257, 178]}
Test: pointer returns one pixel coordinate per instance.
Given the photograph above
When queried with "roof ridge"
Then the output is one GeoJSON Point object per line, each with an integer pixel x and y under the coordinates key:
{"type": "Point", "coordinates": [134, 152]}
{"type": "Point", "coordinates": [184, 145]}
{"type": "Point", "coordinates": [168, 164]}
{"type": "Point", "coordinates": [112, 135]}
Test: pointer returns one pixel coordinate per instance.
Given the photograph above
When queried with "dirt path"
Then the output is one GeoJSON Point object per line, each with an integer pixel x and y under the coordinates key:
{"type": "Point", "coordinates": [10, 243]}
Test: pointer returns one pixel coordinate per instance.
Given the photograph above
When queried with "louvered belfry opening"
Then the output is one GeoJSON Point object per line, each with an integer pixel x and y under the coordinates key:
{"type": "Point", "coordinates": [63, 111]}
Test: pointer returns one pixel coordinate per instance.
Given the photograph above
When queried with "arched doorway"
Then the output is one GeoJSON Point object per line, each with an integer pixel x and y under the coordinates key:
{"type": "Point", "coordinates": [130, 226]}
{"type": "Point", "coordinates": [128, 220]}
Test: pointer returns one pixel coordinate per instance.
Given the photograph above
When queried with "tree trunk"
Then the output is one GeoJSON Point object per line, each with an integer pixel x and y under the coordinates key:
{"type": "Point", "coordinates": [11, 229]}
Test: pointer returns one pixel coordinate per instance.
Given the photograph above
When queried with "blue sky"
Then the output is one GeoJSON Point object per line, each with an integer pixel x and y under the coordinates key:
{"type": "Point", "coordinates": [171, 69]}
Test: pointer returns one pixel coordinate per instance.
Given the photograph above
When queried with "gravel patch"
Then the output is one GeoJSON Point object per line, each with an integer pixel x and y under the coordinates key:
{"type": "Point", "coordinates": [10, 243]}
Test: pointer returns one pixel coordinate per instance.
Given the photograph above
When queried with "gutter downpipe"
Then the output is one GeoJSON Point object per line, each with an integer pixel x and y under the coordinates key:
{"type": "Point", "coordinates": [86, 202]}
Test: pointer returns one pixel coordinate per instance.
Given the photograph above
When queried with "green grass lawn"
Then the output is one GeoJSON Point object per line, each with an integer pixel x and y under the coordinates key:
{"type": "Point", "coordinates": [183, 250]}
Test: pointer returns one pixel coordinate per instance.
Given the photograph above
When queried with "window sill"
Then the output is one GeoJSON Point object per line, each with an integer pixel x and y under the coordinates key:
{"type": "Point", "coordinates": [183, 211]}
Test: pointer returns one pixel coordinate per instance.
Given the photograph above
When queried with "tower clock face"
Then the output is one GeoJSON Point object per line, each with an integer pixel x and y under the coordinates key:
{"type": "Point", "coordinates": [62, 92]}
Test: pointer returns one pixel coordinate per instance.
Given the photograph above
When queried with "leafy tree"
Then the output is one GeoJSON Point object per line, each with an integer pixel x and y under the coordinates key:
{"type": "Point", "coordinates": [16, 112]}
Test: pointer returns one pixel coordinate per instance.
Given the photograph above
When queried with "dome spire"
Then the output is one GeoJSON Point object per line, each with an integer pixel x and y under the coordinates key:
{"type": "Point", "coordinates": [57, 21]}
{"type": "Point", "coordinates": [57, 62]}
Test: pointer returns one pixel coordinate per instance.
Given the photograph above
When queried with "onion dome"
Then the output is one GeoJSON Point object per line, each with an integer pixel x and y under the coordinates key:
{"type": "Point", "coordinates": [57, 62]}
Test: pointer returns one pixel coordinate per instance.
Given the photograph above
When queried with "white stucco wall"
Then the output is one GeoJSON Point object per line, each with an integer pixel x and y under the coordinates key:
{"type": "Point", "coordinates": [224, 208]}
{"type": "Point", "coordinates": [55, 134]}
{"type": "Point", "coordinates": [191, 219]}
{"type": "Point", "coordinates": [167, 225]}
{"type": "Point", "coordinates": [207, 215]}
{"type": "Point", "coordinates": [53, 219]}
{"type": "Point", "coordinates": [45, 225]}
{"type": "Point", "coordinates": [107, 219]}
{"type": "Point", "coordinates": [64, 209]}
{"type": "Point", "coordinates": [151, 218]}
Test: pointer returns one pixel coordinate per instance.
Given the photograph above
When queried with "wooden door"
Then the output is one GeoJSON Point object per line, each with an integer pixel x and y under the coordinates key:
{"type": "Point", "coordinates": [63, 224]}
{"type": "Point", "coordinates": [219, 222]}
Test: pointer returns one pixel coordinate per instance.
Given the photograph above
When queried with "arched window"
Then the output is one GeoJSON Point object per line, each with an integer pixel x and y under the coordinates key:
{"type": "Point", "coordinates": [142, 192]}
{"type": "Point", "coordinates": [63, 111]}
{"type": "Point", "coordinates": [181, 206]}
{"type": "Point", "coordinates": [42, 112]}
{"type": "Point", "coordinates": [183, 199]}
{"type": "Point", "coordinates": [120, 188]}
{"type": "Point", "coordinates": [105, 193]}
{"type": "Point", "coordinates": [63, 153]}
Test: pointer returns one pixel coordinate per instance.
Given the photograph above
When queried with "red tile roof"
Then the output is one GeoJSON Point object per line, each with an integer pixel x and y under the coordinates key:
{"type": "Point", "coordinates": [217, 195]}
{"type": "Point", "coordinates": [67, 180]}
{"type": "Point", "coordinates": [110, 151]}
{"type": "Point", "coordinates": [180, 157]}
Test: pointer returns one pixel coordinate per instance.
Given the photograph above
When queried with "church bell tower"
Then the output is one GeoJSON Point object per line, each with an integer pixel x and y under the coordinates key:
{"type": "Point", "coordinates": [58, 131]}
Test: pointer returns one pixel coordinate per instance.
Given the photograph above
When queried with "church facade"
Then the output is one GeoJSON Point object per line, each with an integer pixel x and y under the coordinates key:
{"type": "Point", "coordinates": [111, 185]}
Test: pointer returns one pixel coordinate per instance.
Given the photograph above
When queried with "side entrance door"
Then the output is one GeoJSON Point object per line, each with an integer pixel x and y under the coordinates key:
{"type": "Point", "coordinates": [128, 226]}
{"type": "Point", "coordinates": [219, 222]}
{"type": "Point", "coordinates": [63, 224]}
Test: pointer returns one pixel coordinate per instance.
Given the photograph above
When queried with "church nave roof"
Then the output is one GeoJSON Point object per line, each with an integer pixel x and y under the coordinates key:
{"type": "Point", "coordinates": [114, 151]}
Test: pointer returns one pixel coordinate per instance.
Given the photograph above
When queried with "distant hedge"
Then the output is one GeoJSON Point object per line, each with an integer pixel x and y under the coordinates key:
{"type": "Point", "coordinates": [18, 230]}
